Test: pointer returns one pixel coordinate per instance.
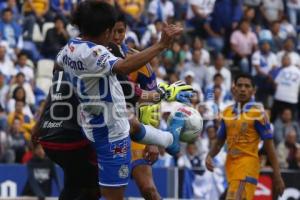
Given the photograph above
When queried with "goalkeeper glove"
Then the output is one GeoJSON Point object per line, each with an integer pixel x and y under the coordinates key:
{"type": "Point", "coordinates": [150, 114]}
{"type": "Point", "coordinates": [178, 91]}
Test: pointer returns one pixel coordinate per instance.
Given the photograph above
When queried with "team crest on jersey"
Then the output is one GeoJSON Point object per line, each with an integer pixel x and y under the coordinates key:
{"type": "Point", "coordinates": [123, 171]}
{"type": "Point", "coordinates": [97, 52]}
{"type": "Point", "coordinates": [119, 149]}
{"type": "Point", "coordinates": [72, 48]}
{"type": "Point", "coordinates": [244, 127]}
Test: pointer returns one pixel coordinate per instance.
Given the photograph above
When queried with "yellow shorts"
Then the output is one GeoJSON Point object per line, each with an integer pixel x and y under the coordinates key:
{"type": "Point", "coordinates": [240, 190]}
{"type": "Point", "coordinates": [137, 157]}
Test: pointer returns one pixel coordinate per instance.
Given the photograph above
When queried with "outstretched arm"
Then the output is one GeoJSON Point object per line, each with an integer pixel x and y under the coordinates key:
{"type": "Point", "coordinates": [136, 61]}
{"type": "Point", "coordinates": [278, 182]}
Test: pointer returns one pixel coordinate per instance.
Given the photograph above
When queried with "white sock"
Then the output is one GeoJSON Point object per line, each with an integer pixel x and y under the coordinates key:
{"type": "Point", "coordinates": [157, 137]}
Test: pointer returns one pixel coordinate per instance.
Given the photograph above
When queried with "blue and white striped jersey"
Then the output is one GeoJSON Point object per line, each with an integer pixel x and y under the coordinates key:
{"type": "Point", "coordinates": [102, 107]}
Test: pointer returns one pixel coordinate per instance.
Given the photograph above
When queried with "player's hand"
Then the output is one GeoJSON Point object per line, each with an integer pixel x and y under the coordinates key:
{"type": "Point", "coordinates": [151, 153]}
{"type": "Point", "coordinates": [179, 91]}
{"type": "Point", "coordinates": [150, 115]}
{"type": "Point", "coordinates": [209, 163]}
{"type": "Point", "coordinates": [279, 185]}
{"type": "Point", "coordinates": [168, 33]}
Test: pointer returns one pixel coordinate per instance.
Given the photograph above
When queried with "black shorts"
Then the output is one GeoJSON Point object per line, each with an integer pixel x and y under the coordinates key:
{"type": "Point", "coordinates": [79, 166]}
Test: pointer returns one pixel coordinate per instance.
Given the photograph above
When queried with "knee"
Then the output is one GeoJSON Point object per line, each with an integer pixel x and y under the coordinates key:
{"type": "Point", "coordinates": [150, 193]}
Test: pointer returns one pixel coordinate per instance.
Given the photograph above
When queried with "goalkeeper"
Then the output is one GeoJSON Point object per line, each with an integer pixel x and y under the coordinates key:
{"type": "Point", "coordinates": [145, 77]}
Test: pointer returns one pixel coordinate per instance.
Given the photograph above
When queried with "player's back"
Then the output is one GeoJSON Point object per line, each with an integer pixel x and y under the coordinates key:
{"type": "Point", "coordinates": [102, 103]}
{"type": "Point", "coordinates": [58, 123]}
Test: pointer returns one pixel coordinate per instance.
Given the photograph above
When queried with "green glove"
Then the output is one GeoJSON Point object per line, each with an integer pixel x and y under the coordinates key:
{"type": "Point", "coordinates": [170, 92]}
{"type": "Point", "coordinates": [150, 115]}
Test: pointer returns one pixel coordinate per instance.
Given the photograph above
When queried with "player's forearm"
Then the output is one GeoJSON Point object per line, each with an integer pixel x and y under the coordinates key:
{"type": "Point", "coordinates": [270, 149]}
{"type": "Point", "coordinates": [138, 60]}
{"type": "Point", "coordinates": [216, 147]}
{"type": "Point", "coordinates": [150, 97]}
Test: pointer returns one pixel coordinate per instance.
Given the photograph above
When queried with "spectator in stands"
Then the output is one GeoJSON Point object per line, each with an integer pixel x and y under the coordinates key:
{"type": "Point", "coordinates": [10, 30]}
{"type": "Point", "coordinates": [26, 122]}
{"type": "Point", "coordinates": [249, 15]}
{"type": "Point", "coordinates": [164, 159]}
{"type": "Point", "coordinates": [224, 19]}
{"type": "Point", "coordinates": [254, 4]}
{"type": "Point", "coordinates": [189, 77]}
{"type": "Point", "coordinates": [198, 45]}
{"type": "Point", "coordinates": [22, 67]}
{"type": "Point", "coordinates": [277, 37]}
{"type": "Point", "coordinates": [285, 62]}
{"type": "Point", "coordinates": [196, 67]}
{"type": "Point", "coordinates": [6, 64]}
{"type": "Point", "coordinates": [191, 158]}
{"type": "Point", "coordinates": [263, 61]}
{"type": "Point", "coordinates": [19, 94]}
{"type": "Point", "coordinates": [12, 4]}
{"type": "Point", "coordinates": [162, 10]}
{"type": "Point", "coordinates": [284, 124]}
{"type": "Point", "coordinates": [293, 8]}
{"type": "Point", "coordinates": [7, 155]}
{"type": "Point", "coordinates": [133, 10]}
{"type": "Point", "coordinates": [61, 8]}
{"type": "Point", "coordinates": [41, 173]}
{"type": "Point", "coordinates": [175, 55]}
{"type": "Point", "coordinates": [288, 30]}
{"type": "Point", "coordinates": [56, 38]}
{"type": "Point", "coordinates": [18, 141]}
{"type": "Point", "coordinates": [35, 11]}
{"type": "Point", "coordinates": [152, 34]}
{"type": "Point", "coordinates": [218, 81]}
{"type": "Point", "coordinates": [289, 48]}
{"type": "Point", "coordinates": [287, 85]}
{"type": "Point", "coordinates": [19, 81]}
{"type": "Point", "coordinates": [4, 89]}
{"type": "Point", "coordinates": [3, 119]}
{"type": "Point", "coordinates": [287, 150]}
{"type": "Point", "coordinates": [219, 67]}
{"type": "Point", "coordinates": [197, 12]}
{"type": "Point", "coordinates": [272, 10]}
{"type": "Point", "coordinates": [243, 43]}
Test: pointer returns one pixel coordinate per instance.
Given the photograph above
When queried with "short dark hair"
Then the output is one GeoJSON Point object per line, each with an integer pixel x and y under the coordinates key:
{"type": "Point", "coordinates": [93, 17]}
{"type": "Point", "coordinates": [6, 10]}
{"type": "Point", "coordinates": [121, 18]}
{"type": "Point", "coordinates": [217, 75]}
{"type": "Point", "coordinates": [246, 76]}
{"type": "Point", "coordinates": [22, 53]}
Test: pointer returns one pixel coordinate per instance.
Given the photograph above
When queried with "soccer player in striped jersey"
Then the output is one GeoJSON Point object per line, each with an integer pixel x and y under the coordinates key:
{"type": "Point", "coordinates": [91, 69]}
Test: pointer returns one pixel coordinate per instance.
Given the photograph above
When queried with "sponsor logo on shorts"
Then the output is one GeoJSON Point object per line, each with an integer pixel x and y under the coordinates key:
{"type": "Point", "coordinates": [123, 171]}
{"type": "Point", "coordinates": [119, 149]}
{"type": "Point", "coordinates": [48, 124]}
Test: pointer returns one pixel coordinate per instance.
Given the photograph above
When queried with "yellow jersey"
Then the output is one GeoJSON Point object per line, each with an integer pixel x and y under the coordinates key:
{"type": "Point", "coordinates": [242, 129]}
{"type": "Point", "coordinates": [39, 5]}
{"type": "Point", "coordinates": [132, 7]}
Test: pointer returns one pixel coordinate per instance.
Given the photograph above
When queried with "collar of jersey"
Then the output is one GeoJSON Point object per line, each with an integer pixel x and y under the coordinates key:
{"type": "Point", "coordinates": [245, 108]}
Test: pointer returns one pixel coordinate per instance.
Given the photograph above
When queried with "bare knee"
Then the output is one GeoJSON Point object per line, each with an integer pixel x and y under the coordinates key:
{"type": "Point", "coordinates": [149, 192]}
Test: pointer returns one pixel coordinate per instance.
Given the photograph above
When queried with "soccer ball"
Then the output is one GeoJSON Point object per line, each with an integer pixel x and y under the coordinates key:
{"type": "Point", "coordinates": [193, 123]}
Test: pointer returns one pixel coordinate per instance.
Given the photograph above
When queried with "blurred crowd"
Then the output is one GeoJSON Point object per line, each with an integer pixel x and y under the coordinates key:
{"type": "Point", "coordinates": [221, 39]}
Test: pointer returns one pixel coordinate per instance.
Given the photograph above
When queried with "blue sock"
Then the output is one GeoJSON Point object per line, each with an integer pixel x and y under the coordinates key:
{"type": "Point", "coordinates": [139, 135]}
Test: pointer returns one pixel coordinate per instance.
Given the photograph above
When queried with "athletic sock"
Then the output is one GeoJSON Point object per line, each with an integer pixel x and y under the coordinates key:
{"type": "Point", "coordinates": [154, 136]}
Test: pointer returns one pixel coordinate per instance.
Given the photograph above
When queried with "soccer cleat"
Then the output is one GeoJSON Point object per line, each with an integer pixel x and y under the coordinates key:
{"type": "Point", "coordinates": [175, 126]}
